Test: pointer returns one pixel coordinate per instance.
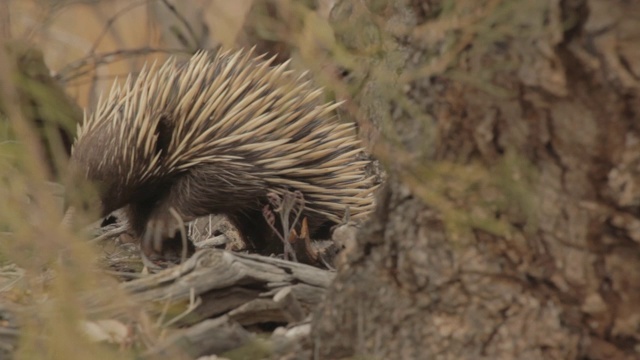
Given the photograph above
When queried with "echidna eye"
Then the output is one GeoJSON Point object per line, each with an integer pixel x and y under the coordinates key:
{"type": "Point", "coordinates": [344, 73]}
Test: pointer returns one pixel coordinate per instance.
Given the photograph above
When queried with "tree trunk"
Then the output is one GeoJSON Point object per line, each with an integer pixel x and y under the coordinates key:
{"type": "Point", "coordinates": [510, 225]}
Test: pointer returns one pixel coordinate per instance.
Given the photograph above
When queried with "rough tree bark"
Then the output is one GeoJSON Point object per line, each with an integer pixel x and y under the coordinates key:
{"type": "Point", "coordinates": [510, 227]}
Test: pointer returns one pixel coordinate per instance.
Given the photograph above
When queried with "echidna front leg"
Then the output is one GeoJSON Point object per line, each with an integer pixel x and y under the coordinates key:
{"type": "Point", "coordinates": [198, 192]}
{"type": "Point", "coordinates": [162, 226]}
{"type": "Point", "coordinates": [159, 227]}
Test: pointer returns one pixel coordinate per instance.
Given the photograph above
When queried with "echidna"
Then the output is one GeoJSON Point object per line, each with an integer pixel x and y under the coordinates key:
{"type": "Point", "coordinates": [216, 135]}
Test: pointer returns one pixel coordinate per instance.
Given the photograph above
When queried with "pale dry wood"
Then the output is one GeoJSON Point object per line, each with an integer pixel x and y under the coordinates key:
{"type": "Point", "coordinates": [214, 336]}
{"type": "Point", "coordinates": [213, 303]}
{"type": "Point", "coordinates": [238, 290]}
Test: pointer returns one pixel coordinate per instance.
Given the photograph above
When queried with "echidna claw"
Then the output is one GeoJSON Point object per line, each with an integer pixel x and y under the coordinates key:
{"type": "Point", "coordinates": [150, 265]}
